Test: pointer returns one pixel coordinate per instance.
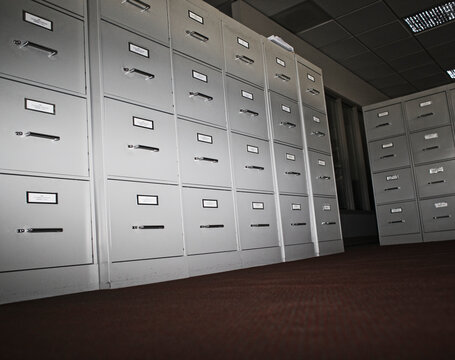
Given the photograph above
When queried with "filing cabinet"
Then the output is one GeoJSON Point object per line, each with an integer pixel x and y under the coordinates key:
{"type": "Point", "coordinates": [321, 174]}
{"type": "Point", "coordinates": [286, 122]}
{"type": "Point", "coordinates": [435, 179]}
{"type": "Point", "coordinates": [145, 221]}
{"type": "Point", "coordinates": [438, 214]}
{"type": "Point", "coordinates": [75, 6]}
{"type": "Point", "coordinates": [428, 111]}
{"type": "Point", "coordinates": [139, 142]}
{"type": "Point", "coordinates": [196, 31]}
{"type": "Point", "coordinates": [257, 220]}
{"type": "Point", "coordinates": [295, 219]}
{"type": "Point", "coordinates": [252, 163]}
{"type": "Point", "coordinates": [290, 170]}
{"type": "Point", "coordinates": [45, 223]}
{"type": "Point", "coordinates": [135, 68]}
{"type": "Point", "coordinates": [43, 45]}
{"type": "Point", "coordinates": [45, 130]}
{"type": "Point", "coordinates": [146, 17]}
{"type": "Point", "coordinates": [433, 145]}
{"type": "Point", "coordinates": [327, 219]}
{"type": "Point", "coordinates": [384, 122]}
{"type": "Point", "coordinates": [199, 91]}
{"type": "Point", "coordinates": [208, 218]}
{"type": "Point", "coordinates": [398, 219]}
{"type": "Point", "coordinates": [389, 153]}
{"type": "Point", "coordinates": [204, 155]}
{"type": "Point", "coordinates": [392, 186]}
{"type": "Point", "coordinates": [316, 130]}
{"type": "Point", "coordinates": [311, 87]}
{"type": "Point", "coordinates": [246, 108]}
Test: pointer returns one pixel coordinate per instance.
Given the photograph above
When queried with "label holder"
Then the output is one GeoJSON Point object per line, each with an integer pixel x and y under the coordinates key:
{"type": "Point", "coordinates": [39, 106]}
{"type": "Point", "coordinates": [210, 204]}
{"type": "Point", "coordinates": [39, 197]}
{"type": "Point", "coordinates": [147, 200]}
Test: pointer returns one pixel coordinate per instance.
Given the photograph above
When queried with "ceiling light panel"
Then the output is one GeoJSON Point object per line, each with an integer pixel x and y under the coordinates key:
{"type": "Point", "coordinates": [432, 17]}
{"type": "Point", "coordinates": [451, 73]}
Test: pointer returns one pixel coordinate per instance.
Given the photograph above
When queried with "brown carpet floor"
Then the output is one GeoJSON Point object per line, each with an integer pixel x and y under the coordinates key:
{"type": "Point", "coordinates": [368, 303]}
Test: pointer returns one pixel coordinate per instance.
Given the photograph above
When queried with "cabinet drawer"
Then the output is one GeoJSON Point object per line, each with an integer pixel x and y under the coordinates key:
{"type": "Point", "coordinates": [311, 88]}
{"type": "Point", "coordinates": [257, 221]}
{"type": "Point", "coordinates": [436, 179]}
{"type": "Point", "coordinates": [384, 122]}
{"type": "Point", "coordinates": [327, 219]}
{"type": "Point", "coordinates": [317, 130]}
{"type": "Point", "coordinates": [45, 223]}
{"type": "Point", "coordinates": [389, 153]}
{"type": "Point", "coordinates": [41, 44]}
{"type": "Point", "coordinates": [393, 186]}
{"type": "Point", "coordinates": [145, 221]}
{"type": "Point", "coordinates": [438, 214]}
{"type": "Point", "coordinates": [139, 142]}
{"type": "Point", "coordinates": [398, 219]}
{"type": "Point", "coordinates": [281, 70]}
{"type": "Point", "coordinates": [287, 126]}
{"type": "Point", "coordinates": [428, 111]}
{"type": "Point", "coordinates": [433, 145]}
{"type": "Point", "coordinates": [75, 6]}
{"type": "Point", "coordinates": [295, 219]}
{"type": "Point", "coordinates": [290, 168]}
{"type": "Point", "coordinates": [208, 217]}
{"type": "Point", "coordinates": [322, 175]}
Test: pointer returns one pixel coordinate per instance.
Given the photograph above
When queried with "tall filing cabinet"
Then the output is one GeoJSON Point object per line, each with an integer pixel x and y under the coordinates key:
{"type": "Point", "coordinates": [412, 158]}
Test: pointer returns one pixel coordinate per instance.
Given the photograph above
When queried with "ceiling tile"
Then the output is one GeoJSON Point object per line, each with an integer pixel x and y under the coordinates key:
{"type": "Point", "coordinates": [384, 35]}
{"type": "Point", "coordinates": [344, 49]}
{"type": "Point", "coordinates": [399, 90]}
{"type": "Point", "coordinates": [409, 7]}
{"type": "Point", "coordinates": [374, 71]}
{"type": "Point", "coordinates": [411, 61]}
{"type": "Point", "coordinates": [432, 81]}
{"type": "Point", "coordinates": [388, 81]}
{"type": "Point", "coordinates": [301, 17]}
{"type": "Point", "coordinates": [421, 72]}
{"type": "Point", "coordinates": [367, 18]}
{"type": "Point", "coordinates": [399, 49]}
{"type": "Point", "coordinates": [444, 55]}
{"type": "Point", "coordinates": [361, 61]}
{"type": "Point", "coordinates": [337, 8]}
{"type": "Point", "coordinates": [324, 34]}
{"type": "Point", "coordinates": [272, 7]}
{"type": "Point", "coordinates": [437, 36]}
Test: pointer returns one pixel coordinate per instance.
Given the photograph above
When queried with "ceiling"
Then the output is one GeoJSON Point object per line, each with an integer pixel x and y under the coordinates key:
{"type": "Point", "coordinates": [369, 38]}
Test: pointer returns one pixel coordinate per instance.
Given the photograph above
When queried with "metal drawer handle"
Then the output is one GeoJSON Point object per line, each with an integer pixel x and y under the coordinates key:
{"type": "Point", "coordinates": [40, 230]}
{"type": "Point", "coordinates": [313, 91]}
{"type": "Point", "coordinates": [382, 125]}
{"type": "Point", "coordinates": [144, 147]}
{"type": "Point", "coordinates": [425, 115]}
{"type": "Point", "coordinates": [288, 124]}
{"type": "Point", "coordinates": [253, 167]}
{"type": "Point", "coordinates": [46, 49]}
{"type": "Point", "coordinates": [147, 227]}
{"type": "Point", "coordinates": [198, 94]}
{"type": "Point", "coordinates": [283, 77]}
{"type": "Point", "coordinates": [293, 173]}
{"type": "Point", "coordinates": [442, 217]}
{"type": "Point", "coordinates": [38, 135]}
{"type": "Point", "coordinates": [260, 225]}
{"type": "Point", "coordinates": [397, 222]}
{"type": "Point", "coordinates": [318, 133]}
{"type": "Point", "coordinates": [202, 158]}
{"type": "Point", "coordinates": [324, 177]}
{"type": "Point", "coordinates": [431, 148]}
{"type": "Point", "coordinates": [387, 156]}
{"type": "Point", "coordinates": [328, 223]}
{"type": "Point", "coordinates": [216, 226]}
{"type": "Point", "coordinates": [298, 224]}
{"type": "Point", "coordinates": [244, 58]}
{"type": "Point", "coordinates": [139, 4]}
{"type": "Point", "coordinates": [437, 182]}
{"type": "Point", "coordinates": [392, 188]}
{"type": "Point", "coordinates": [198, 36]}
{"type": "Point", "coordinates": [250, 112]}
{"type": "Point", "coordinates": [148, 76]}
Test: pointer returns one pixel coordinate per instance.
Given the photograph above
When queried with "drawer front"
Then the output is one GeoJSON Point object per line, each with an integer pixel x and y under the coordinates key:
{"type": "Point", "coordinates": [196, 31]}
{"type": "Point", "coordinates": [145, 221]}
{"type": "Point", "coordinates": [148, 17]}
{"type": "Point", "coordinates": [389, 153]}
{"type": "Point", "coordinates": [246, 108]}
{"type": "Point", "coordinates": [287, 126]}
{"type": "Point", "coordinates": [433, 145]}
{"type": "Point", "coordinates": [139, 142]}
{"type": "Point", "coordinates": [295, 219]}
{"type": "Point", "coordinates": [281, 70]}
{"type": "Point", "coordinates": [243, 51]}
{"type": "Point", "coordinates": [199, 91]}
{"type": "Point", "coordinates": [317, 130]}
{"type": "Point", "coordinates": [384, 122]}
{"type": "Point", "coordinates": [438, 214]}
{"type": "Point", "coordinates": [45, 223]}
{"type": "Point", "coordinates": [398, 219]}
{"type": "Point", "coordinates": [42, 45]}
{"type": "Point", "coordinates": [436, 179]}
{"type": "Point", "coordinates": [204, 155]}
{"type": "Point", "coordinates": [208, 217]}
{"type": "Point", "coordinates": [322, 175]}
{"type": "Point", "coordinates": [135, 68]}
{"type": "Point", "coordinates": [311, 88]}
{"type": "Point", "coordinates": [45, 130]}
{"type": "Point", "coordinates": [252, 164]}
{"type": "Point", "coordinates": [75, 6]}
{"type": "Point", "coordinates": [257, 221]}
{"type": "Point", "coordinates": [429, 111]}
{"type": "Point", "coordinates": [290, 168]}
{"type": "Point", "coordinates": [393, 186]}
{"type": "Point", "coordinates": [327, 219]}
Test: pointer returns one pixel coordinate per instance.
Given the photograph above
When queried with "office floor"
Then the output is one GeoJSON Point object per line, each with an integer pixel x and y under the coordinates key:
{"type": "Point", "coordinates": [371, 302]}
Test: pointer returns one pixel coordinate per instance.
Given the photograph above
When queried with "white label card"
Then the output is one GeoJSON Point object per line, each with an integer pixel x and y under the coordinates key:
{"type": "Point", "coordinates": [252, 149]}
{"type": "Point", "coordinates": [290, 157]}
{"type": "Point", "coordinates": [436, 170]}
{"type": "Point", "coordinates": [321, 162]}
{"type": "Point", "coordinates": [311, 77]}
{"type": "Point", "coordinates": [39, 21]}
{"type": "Point", "coordinates": [39, 106]}
{"type": "Point", "coordinates": [205, 138]}
{"type": "Point", "coordinates": [138, 50]}
{"type": "Point", "coordinates": [426, 103]}
{"type": "Point", "coordinates": [208, 203]}
{"type": "Point", "coordinates": [431, 136]}
{"type": "Point", "coordinates": [386, 146]}
{"type": "Point", "coordinates": [441, 205]}
{"type": "Point", "coordinates": [392, 177]}
{"type": "Point", "coordinates": [143, 123]}
{"type": "Point", "coordinates": [247, 95]}
{"type": "Point", "coordinates": [382, 114]}
{"type": "Point", "coordinates": [296, 206]}
{"type": "Point", "coordinates": [396, 210]}
{"type": "Point", "coordinates": [280, 62]}
{"type": "Point", "coordinates": [326, 208]}
{"type": "Point", "coordinates": [244, 43]}
{"type": "Point", "coordinates": [258, 205]}
{"type": "Point", "coordinates": [42, 198]}
{"type": "Point", "coordinates": [200, 76]}
{"type": "Point", "coordinates": [147, 200]}
{"type": "Point", "coordinates": [195, 17]}
{"type": "Point", "coordinates": [286, 108]}
{"type": "Point", "coordinates": [316, 119]}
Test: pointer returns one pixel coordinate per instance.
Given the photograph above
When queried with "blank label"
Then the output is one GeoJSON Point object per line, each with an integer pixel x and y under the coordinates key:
{"type": "Point", "coordinates": [286, 108]}
{"type": "Point", "coordinates": [296, 206]}
{"type": "Point", "coordinates": [311, 77]}
{"type": "Point", "coordinates": [431, 136]}
{"type": "Point", "coordinates": [138, 50]}
{"type": "Point", "coordinates": [244, 43]}
{"type": "Point", "coordinates": [280, 62]}
{"type": "Point", "coordinates": [316, 119]}
{"type": "Point", "coordinates": [441, 205]}
{"type": "Point", "coordinates": [321, 162]}
{"type": "Point", "coordinates": [252, 149]}
{"type": "Point", "coordinates": [382, 114]}
{"type": "Point", "coordinates": [205, 138]}
{"type": "Point", "coordinates": [143, 123]}
{"type": "Point", "coordinates": [436, 170]}
{"type": "Point", "coordinates": [195, 17]}
{"type": "Point", "coordinates": [258, 205]}
{"type": "Point", "coordinates": [200, 76]}
{"type": "Point", "coordinates": [42, 198]}
{"type": "Point", "coordinates": [211, 204]}
{"type": "Point", "coordinates": [290, 157]}
{"type": "Point", "coordinates": [39, 106]}
{"type": "Point", "coordinates": [396, 210]}
{"type": "Point", "coordinates": [39, 21]}
{"type": "Point", "coordinates": [147, 199]}
{"type": "Point", "coordinates": [426, 103]}
{"type": "Point", "coordinates": [326, 208]}
{"type": "Point", "coordinates": [386, 146]}
{"type": "Point", "coordinates": [247, 95]}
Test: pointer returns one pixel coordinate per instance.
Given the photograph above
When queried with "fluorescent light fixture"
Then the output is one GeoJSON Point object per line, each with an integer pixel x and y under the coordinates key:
{"type": "Point", "coordinates": [451, 73]}
{"type": "Point", "coordinates": [432, 17]}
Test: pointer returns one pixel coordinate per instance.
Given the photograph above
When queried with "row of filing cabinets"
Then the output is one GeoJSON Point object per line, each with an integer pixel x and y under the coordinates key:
{"type": "Point", "coordinates": [412, 157]}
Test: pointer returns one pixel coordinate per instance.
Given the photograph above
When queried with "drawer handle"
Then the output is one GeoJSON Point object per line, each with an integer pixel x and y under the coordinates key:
{"type": "Point", "coordinates": [202, 158]}
{"type": "Point", "coordinates": [36, 46]}
{"type": "Point", "coordinates": [144, 147]}
{"type": "Point", "coordinates": [244, 58]}
{"type": "Point", "coordinates": [437, 182]}
{"type": "Point", "coordinates": [216, 226]}
{"type": "Point", "coordinates": [260, 225]}
{"type": "Point", "coordinates": [253, 167]}
{"type": "Point", "coordinates": [201, 95]}
{"type": "Point", "coordinates": [198, 36]}
{"type": "Point", "coordinates": [147, 227]}
{"type": "Point", "coordinates": [387, 156]}
{"type": "Point", "coordinates": [442, 217]}
{"type": "Point", "coordinates": [249, 112]}
{"type": "Point", "coordinates": [298, 224]}
{"type": "Point", "coordinates": [397, 222]}
{"type": "Point", "coordinates": [293, 173]}
{"type": "Point", "coordinates": [431, 148]}
{"type": "Point", "coordinates": [382, 125]}
{"type": "Point", "coordinates": [313, 91]}
{"type": "Point", "coordinates": [38, 135]}
{"type": "Point", "coordinates": [318, 133]}
{"type": "Point", "coordinates": [139, 4]}
{"type": "Point", "coordinates": [288, 124]}
{"type": "Point", "coordinates": [425, 115]}
{"type": "Point", "coordinates": [323, 177]}
{"type": "Point", "coordinates": [392, 188]}
{"type": "Point", "coordinates": [40, 230]}
{"type": "Point", "coordinates": [283, 77]}
{"type": "Point", "coordinates": [328, 223]}
{"type": "Point", "coordinates": [148, 76]}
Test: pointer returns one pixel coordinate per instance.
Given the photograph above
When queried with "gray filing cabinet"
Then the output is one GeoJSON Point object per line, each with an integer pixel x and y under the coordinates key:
{"type": "Point", "coordinates": [295, 219]}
